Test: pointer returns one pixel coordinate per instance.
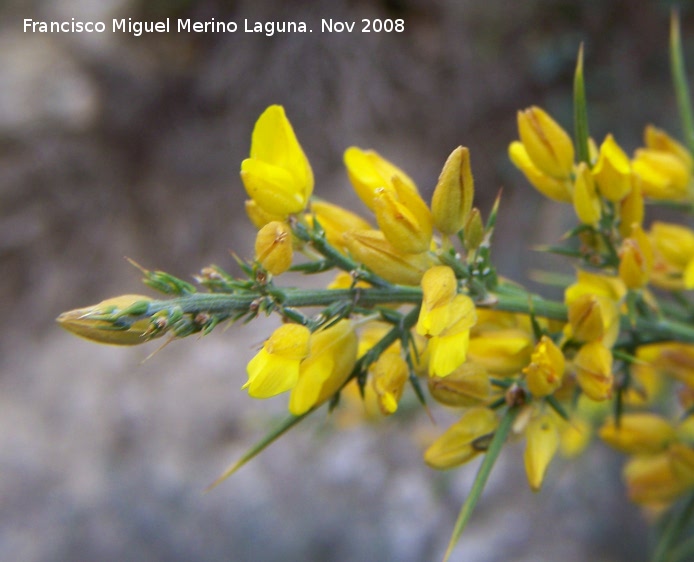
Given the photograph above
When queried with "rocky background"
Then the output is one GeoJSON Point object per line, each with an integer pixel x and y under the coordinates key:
{"type": "Point", "coordinates": [112, 146]}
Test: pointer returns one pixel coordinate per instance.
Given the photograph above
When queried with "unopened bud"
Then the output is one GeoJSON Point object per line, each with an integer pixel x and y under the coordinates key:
{"type": "Point", "coordinates": [452, 199]}
{"type": "Point", "coordinates": [273, 247]}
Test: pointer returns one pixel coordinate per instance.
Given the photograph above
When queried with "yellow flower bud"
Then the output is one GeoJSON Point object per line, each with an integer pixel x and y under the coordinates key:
{"type": "Point", "coordinates": [545, 372]}
{"type": "Point", "coordinates": [273, 247]}
{"type": "Point", "coordinates": [458, 444]}
{"type": "Point", "coordinates": [277, 176]}
{"type": "Point", "coordinates": [332, 356]}
{"type": "Point", "coordinates": [636, 259]}
{"type": "Point", "coordinates": [467, 386]}
{"type": "Point", "coordinates": [108, 321]}
{"type": "Point", "coordinates": [650, 479]}
{"type": "Point", "coordinates": [388, 377]}
{"type": "Point", "coordinates": [663, 175]}
{"type": "Point", "coordinates": [612, 172]}
{"type": "Point", "coordinates": [369, 171]}
{"type": "Point", "coordinates": [638, 433]}
{"type": "Point", "coordinates": [657, 139]}
{"type": "Point", "coordinates": [403, 217]}
{"type": "Point", "coordinates": [541, 444]}
{"type": "Point", "coordinates": [586, 199]}
{"type": "Point", "coordinates": [594, 318]}
{"type": "Point", "coordinates": [674, 242]}
{"type": "Point", "coordinates": [371, 248]}
{"type": "Point", "coordinates": [548, 145]}
{"type": "Point", "coordinates": [451, 202]}
{"type": "Point", "coordinates": [556, 189]}
{"type": "Point", "coordinates": [631, 209]}
{"type": "Point", "coordinates": [473, 235]}
{"type": "Point", "coordinates": [275, 368]}
{"type": "Point", "coordinates": [335, 221]}
{"type": "Point", "coordinates": [593, 364]}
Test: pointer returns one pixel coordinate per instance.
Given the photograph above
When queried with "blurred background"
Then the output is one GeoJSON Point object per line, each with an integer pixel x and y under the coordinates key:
{"type": "Point", "coordinates": [113, 145]}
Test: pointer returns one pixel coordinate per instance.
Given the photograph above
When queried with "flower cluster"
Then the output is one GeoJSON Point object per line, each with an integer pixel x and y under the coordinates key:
{"type": "Point", "coordinates": [415, 307]}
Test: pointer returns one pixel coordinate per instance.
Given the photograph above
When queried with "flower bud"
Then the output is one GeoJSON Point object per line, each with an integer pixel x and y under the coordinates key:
{"type": "Point", "coordinates": [273, 247]}
{"type": "Point", "coordinates": [612, 172]}
{"type": "Point", "coordinates": [371, 248]}
{"type": "Point", "coordinates": [467, 386]}
{"type": "Point", "coordinates": [586, 199]}
{"type": "Point", "coordinates": [549, 147]}
{"type": "Point", "coordinates": [631, 208]}
{"type": "Point", "coordinates": [388, 377]}
{"type": "Point", "coordinates": [657, 139]}
{"type": "Point", "coordinates": [112, 321]}
{"type": "Point", "coordinates": [473, 235]}
{"type": "Point", "coordinates": [458, 444]}
{"type": "Point", "coordinates": [636, 259]}
{"type": "Point", "coordinates": [594, 318]}
{"type": "Point", "coordinates": [638, 433]}
{"type": "Point", "coordinates": [451, 202]}
{"type": "Point", "coordinates": [593, 364]}
{"type": "Point", "coordinates": [541, 444]}
{"type": "Point", "coordinates": [663, 175]}
{"type": "Point", "coordinates": [545, 372]}
{"type": "Point", "coordinates": [556, 189]}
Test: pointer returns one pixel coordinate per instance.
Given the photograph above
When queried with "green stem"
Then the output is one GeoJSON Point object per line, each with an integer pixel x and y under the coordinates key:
{"type": "Point", "coordinates": [483, 473]}
{"type": "Point", "coordinates": [679, 79]}
{"type": "Point", "coordinates": [673, 530]}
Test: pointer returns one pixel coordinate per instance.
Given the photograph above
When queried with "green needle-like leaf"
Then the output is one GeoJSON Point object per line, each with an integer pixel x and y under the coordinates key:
{"type": "Point", "coordinates": [580, 112]}
{"type": "Point", "coordinates": [679, 80]}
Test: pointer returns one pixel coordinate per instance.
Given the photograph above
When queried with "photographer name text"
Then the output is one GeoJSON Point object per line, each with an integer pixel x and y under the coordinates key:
{"type": "Point", "coordinates": [268, 28]}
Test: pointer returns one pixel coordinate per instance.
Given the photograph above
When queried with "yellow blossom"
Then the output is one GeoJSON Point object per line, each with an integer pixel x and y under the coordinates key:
{"type": "Point", "coordinates": [277, 176]}
{"type": "Point", "coordinates": [663, 175]}
{"type": "Point", "coordinates": [555, 189]}
{"type": "Point", "coordinates": [547, 144]}
{"type": "Point", "coordinates": [593, 365]}
{"type": "Point", "coordinates": [461, 442]}
{"type": "Point", "coordinates": [275, 369]}
{"type": "Point", "coordinates": [541, 444]}
{"type": "Point", "coordinates": [593, 318]}
{"type": "Point", "coordinates": [331, 358]}
{"type": "Point", "coordinates": [439, 287]}
{"type": "Point", "coordinates": [674, 242]}
{"type": "Point", "coordinates": [335, 221]}
{"type": "Point", "coordinates": [403, 217]}
{"type": "Point", "coordinates": [502, 352]}
{"type": "Point", "coordinates": [388, 377]}
{"type": "Point", "coordinates": [545, 372]}
{"type": "Point", "coordinates": [371, 248]}
{"type": "Point", "coordinates": [651, 480]}
{"type": "Point", "coordinates": [451, 202]}
{"type": "Point", "coordinates": [586, 199]}
{"type": "Point", "coordinates": [369, 171]}
{"type": "Point", "coordinates": [612, 172]}
{"type": "Point", "coordinates": [273, 247]}
{"type": "Point", "coordinates": [468, 385]}
{"type": "Point", "coordinates": [640, 432]}
{"type": "Point", "coordinates": [631, 208]}
{"type": "Point", "coordinates": [636, 259]}
{"type": "Point", "coordinates": [657, 139]}
{"type": "Point", "coordinates": [595, 284]}
{"type": "Point", "coordinates": [258, 216]}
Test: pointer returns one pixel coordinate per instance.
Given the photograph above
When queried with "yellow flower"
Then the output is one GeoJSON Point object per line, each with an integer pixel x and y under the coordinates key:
{"type": "Point", "coordinates": [258, 216]}
{"type": "Point", "coordinates": [461, 442]}
{"type": "Point", "coordinates": [388, 377]}
{"type": "Point", "coordinates": [545, 372]}
{"type": "Point", "coordinates": [547, 144]}
{"type": "Point", "coordinates": [541, 444]}
{"type": "Point", "coordinates": [275, 369]}
{"type": "Point", "coordinates": [371, 248]}
{"type": "Point", "coordinates": [369, 171]}
{"type": "Point", "coordinates": [555, 189]}
{"type": "Point", "coordinates": [403, 217]}
{"type": "Point", "coordinates": [657, 139]}
{"type": "Point", "coordinates": [335, 221]}
{"type": "Point", "coordinates": [593, 318]}
{"type": "Point", "coordinates": [593, 364]}
{"type": "Point", "coordinates": [468, 385]}
{"type": "Point", "coordinates": [641, 432]}
{"type": "Point", "coordinates": [277, 176]}
{"type": "Point", "coordinates": [451, 202]}
{"type": "Point", "coordinates": [586, 199]}
{"type": "Point", "coordinates": [636, 259]}
{"type": "Point", "coordinates": [100, 323]}
{"type": "Point", "coordinates": [595, 284]}
{"type": "Point", "coordinates": [331, 358]}
{"type": "Point", "coordinates": [612, 172]}
{"type": "Point", "coordinates": [273, 247]}
{"type": "Point", "coordinates": [439, 287]}
{"type": "Point", "coordinates": [651, 479]}
{"type": "Point", "coordinates": [502, 352]}
{"type": "Point", "coordinates": [682, 462]}
{"type": "Point", "coordinates": [663, 175]}
{"type": "Point", "coordinates": [631, 208]}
